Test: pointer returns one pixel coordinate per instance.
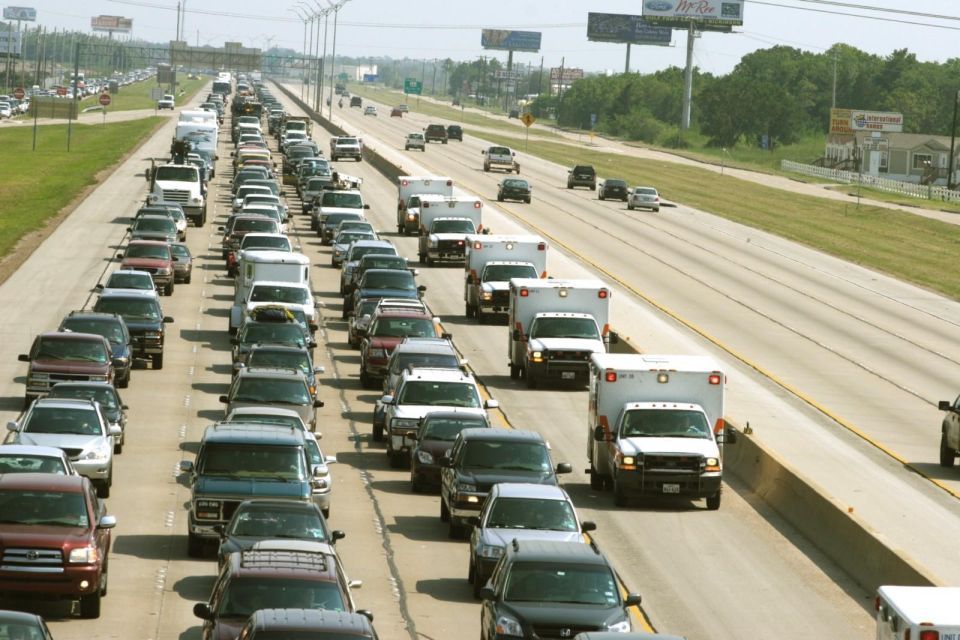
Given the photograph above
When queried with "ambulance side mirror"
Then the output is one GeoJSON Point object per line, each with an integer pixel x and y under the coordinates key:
{"type": "Point", "coordinates": [516, 335]}
{"type": "Point", "coordinates": [599, 434]}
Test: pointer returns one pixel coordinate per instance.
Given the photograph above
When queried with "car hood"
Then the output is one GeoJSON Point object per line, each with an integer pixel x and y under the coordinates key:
{"type": "Point", "coordinates": [249, 488]}
{"type": "Point", "coordinates": [33, 536]}
{"type": "Point", "coordinates": [702, 446]}
{"type": "Point", "coordinates": [59, 440]}
{"type": "Point", "coordinates": [496, 285]}
{"type": "Point", "coordinates": [69, 366]}
{"type": "Point", "coordinates": [383, 342]}
{"type": "Point", "coordinates": [133, 263]}
{"type": "Point", "coordinates": [560, 613]}
{"type": "Point", "coordinates": [420, 410]}
{"type": "Point", "coordinates": [567, 344]}
{"type": "Point", "coordinates": [502, 537]}
{"type": "Point", "coordinates": [387, 293]}
{"type": "Point", "coordinates": [486, 478]}
{"type": "Point", "coordinates": [449, 236]}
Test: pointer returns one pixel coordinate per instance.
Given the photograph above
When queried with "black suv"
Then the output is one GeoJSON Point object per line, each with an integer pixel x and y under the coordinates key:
{"type": "Point", "coordinates": [112, 327]}
{"type": "Point", "coordinates": [356, 101]}
{"type": "Point", "coordinates": [553, 590]}
{"type": "Point", "coordinates": [144, 317]}
{"type": "Point", "coordinates": [582, 175]}
{"type": "Point", "coordinates": [455, 132]}
{"type": "Point", "coordinates": [479, 459]}
{"type": "Point", "coordinates": [435, 133]}
{"type": "Point", "coordinates": [614, 189]}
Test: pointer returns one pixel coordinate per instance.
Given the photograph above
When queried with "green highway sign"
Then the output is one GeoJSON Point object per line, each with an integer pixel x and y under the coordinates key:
{"type": "Point", "coordinates": [411, 85]}
{"type": "Point", "coordinates": [344, 77]}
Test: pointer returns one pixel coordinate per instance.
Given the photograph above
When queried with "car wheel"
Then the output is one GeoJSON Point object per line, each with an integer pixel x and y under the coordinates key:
{"type": "Point", "coordinates": [629, 207]}
{"type": "Point", "coordinates": [527, 200]}
{"type": "Point", "coordinates": [168, 291]}
{"type": "Point", "coordinates": [477, 584]}
{"type": "Point", "coordinates": [414, 485]}
{"type": "Point", "coordinates": [157, 360]}
{"type": "Point", "coordinates": [947, 455]}
{"type": "Point", "coordinates": [480, 315]}
{"type": "Point", "coordinates": [125, 382]}
{"type": "Point", "coordinates": [569, 186]}
{"type": "Point", "coordinates": [365, 380]}
{"type": "Point", "coordinates": [593, 187]}
{"type": "Point", "coordinates": [600, 196]}
{"type": "Point", "coordinates": [596, 480]}
{"type": "Point", "coordinates": [713, 502]}
{"type": "Point", "coordinates": [378, 433]}
{"type": "Point", "coordinates": [397, 459]}
{"type": "Point", "coordinates": [118, 447]}
{"type": "Point", "coordinates": [531, 380]}
{"type": "Point", "coordinates": [486, 168]}
{"type": "Point", "coordinates": [103, 487]}
{"type": "Point", "coordinates": [444, 512]}
{"type": "Point", "coordinates": [619, 497]}
{"type": "Point", "coordinates": [657, 210]}
{"type": "Point", "coordinates": [326, 513]}
{"type": "Point", "coordinates": [514, 372]}
{"type": "Point", "coordinates": [194, 546]}
{"type": "Point", "coordinates": [455, 531]}
{"type": "Point", "coordinates": [90, 605]}
{"type": "Point", "coordinates": [499, 198]}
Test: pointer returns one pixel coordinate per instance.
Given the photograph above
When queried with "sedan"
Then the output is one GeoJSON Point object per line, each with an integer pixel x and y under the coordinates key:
{"type": "Point", "coordinates": [182, 262]}
{"type": "Point", "coordinates": [613, 189]}
{"type": "Point", "coordinates": [644, 198]}
{"type": "Point", "coordinates": [370, 110]}
{"type": "Point", "coordinates": [343, 241]}
{"type": "Point", "coordinates": [396, 113]}
{"type": "Point", "coordinates": [514, 189]}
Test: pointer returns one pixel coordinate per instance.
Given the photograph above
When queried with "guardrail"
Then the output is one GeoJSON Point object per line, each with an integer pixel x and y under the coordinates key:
{"type": "Point", "coordinates": [910, 189]}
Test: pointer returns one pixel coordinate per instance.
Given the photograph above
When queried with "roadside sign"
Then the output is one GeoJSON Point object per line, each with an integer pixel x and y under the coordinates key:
{"type": "Point", "coordinates": [105, 99]}
{"type": "Point", "coordinates": [412, 85]}
{"type": "Point", "coordinates": [343, 77]}
{"type": "Point", "coordinates": [527, 118]}
{"type": "Point", "coordinates": [18, 93]}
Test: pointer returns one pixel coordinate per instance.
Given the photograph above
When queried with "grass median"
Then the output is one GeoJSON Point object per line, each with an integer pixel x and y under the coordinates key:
{"type": "Point", "coordinates": [41, 183]}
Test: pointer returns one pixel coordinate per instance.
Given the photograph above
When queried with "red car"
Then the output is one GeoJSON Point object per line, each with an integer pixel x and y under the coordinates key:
{"type": "Point", "coordinates": [153, 257]}
{"type": "Point", "coordinates": [54, 539]}
{"type": "Point", "coordinates": [56, 356]}
{"type": "Point", "coordinates": [388, 328]}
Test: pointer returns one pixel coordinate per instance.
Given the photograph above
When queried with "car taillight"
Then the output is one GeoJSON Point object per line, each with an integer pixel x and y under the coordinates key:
{"type": "Point", "coordinates": [477, 204]}
{"type": "Point", "coordinates": [542, 246]}
{"type": "Point", "coordinates": [611, 375]}
{"type": "Point", "coordinates": [603, 293]}
{"type": "Point", "coordinates": [928, 635]}
{"type": "Point", "coordinates": [524, 293]}
{"type": "Point", "coordinates": [715, 378]}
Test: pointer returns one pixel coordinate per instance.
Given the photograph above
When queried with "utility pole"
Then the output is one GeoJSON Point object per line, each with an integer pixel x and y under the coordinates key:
{"type": "Point", "coordinates": [833, 101]}
{"type": "Point", "coordinates": [626, 66]}
{"type": "Point", "coordinates": [177, 36]}
{"type": "Point", "coordinates": [540, 77]}
{"type": "Point", "coordinates": [953, 136]}
{"type": "Point", "coordinates": [688, 80]}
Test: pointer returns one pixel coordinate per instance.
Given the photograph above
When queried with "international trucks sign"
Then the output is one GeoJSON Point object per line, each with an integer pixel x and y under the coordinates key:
{"type": "Point", "coordinates": [849, 121]}
{"type": "Point", "coordinates": [704, 14]}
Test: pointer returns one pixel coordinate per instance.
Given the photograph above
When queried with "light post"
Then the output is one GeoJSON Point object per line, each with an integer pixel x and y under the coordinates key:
{"type": "Point", "coordinates": [308, 11]}
{"type": "Point", "coordinates": [333, 52]}
{"type": "Point", "coordinates": [321, 13]}
{"type": "Point", "coordinates": [953, 136]}
{"type": "Point", "coordinates": [296, 10]}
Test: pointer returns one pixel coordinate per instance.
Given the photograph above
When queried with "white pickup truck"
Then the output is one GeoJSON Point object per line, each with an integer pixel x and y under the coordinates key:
{"type": "Point", "coordinates": [500, 158]}
{"type": "Point", "coordinates": [346, 147]}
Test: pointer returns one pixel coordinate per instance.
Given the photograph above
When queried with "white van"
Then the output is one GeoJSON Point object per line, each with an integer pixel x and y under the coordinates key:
{"type": "Point", "coordinates": [918, 613]}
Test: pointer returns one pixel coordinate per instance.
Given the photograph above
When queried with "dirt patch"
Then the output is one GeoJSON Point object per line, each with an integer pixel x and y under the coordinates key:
{"type": "Point", "coordinates": [29, 243]}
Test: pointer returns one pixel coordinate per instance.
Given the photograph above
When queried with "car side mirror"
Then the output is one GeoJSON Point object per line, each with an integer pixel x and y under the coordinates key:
{"type": "Point", "coordinates": [422, 289]}
{"type": "Point", "coordinates": [167, 319]}
{"type": "Point", "coordinates": [354, 584]}
{"type": "Point", "coordinates": [366, 613]}
{"type": "Point", "coordinates": [729, 436]}
{"type": "Point", "coordinates": [470, 279]}
{"type": "Point", "coordinates": [487, 593]}
{"type": "Point", "coordinates": [599, 434]}
{"type": "Point", "coordinates": [13, 426]}
{"type": "Point", "coordinates": [220, 228]}
{"type": "Point", "coordinates": [446, 462]}
{"type": "Point", "coordinates": [473, 521]}
{"type": "Point", "coordinates": [124, 407]}
{"type": "Point", "coordinates": [107, 522]}
{"type": "Point", "coordinates": [491, 404]}
{"type": "Point", "coordinates": [632, 600]}
{"type": "Point", "coordinates": [943, 405]}
{"type": "Point", "coordinates": [186, 466]}
{"type": "Point", "coordinates": [485, 231]}
{"type": "Point", "coordinates": [114, 430]}
{"type": "Point", "coordinates": [23, 357]}
{"type": "Point", "coordinates": [386, 399]}
{"type": "Point", "coordinates": [319, 370]}
{"type": "Point", "coordinates": [410, 435]}
{"type": "Point", "coordinates": [225, 399]}
{"type": "Point", "coordinates": [120, 254]}
{"type": "Point", "coordinates": [366, 206]}
{"type": "Point", "coordinates": [98, 287]}
{"type": "Point", "coordinates": [516, 335]}
{"type": "Point", "coordinates": [587, 525]}
{"type": "Point", "coordinates": [564, 467]}
{"type": "Point", "coordinates": [202, 611]}
{"type": "Point", "coordinates": [129, 228]}
{"type": "Point", "coordinates": [317, 404]}
{"type": "Point", "coordinates": [613, 338]}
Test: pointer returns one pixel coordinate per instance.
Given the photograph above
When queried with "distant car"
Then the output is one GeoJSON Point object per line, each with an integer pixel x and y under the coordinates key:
{"type": "Point", "coordinates": [415, 141]}
{"type": "Point", "coordinates": [613, 189]}
{"type": "Point", "coordinates": [644, 198]}
{"type": "Point", "coordinates": [166, 102]}
{"type": "Point", "coordinates": [435, 133]}
{"type": "Point", "coordinates": [6, 111]}
{"type": "Point", "coordinates": [370, 110]}
{"type": "Point", "coordinates": [403, 108]}
{"type": "Point", "coordinates": [355, 101]}
{"type": "Point", "coordinates": [582, 175]}
{"type": "Point", "coordinates": [514, 113]}
{"type": "Point", "coordinates": [455, 132]}
{"type": "Point", "coordinates": [396, 112]}
{"type": "Point", "coordinates": [514, 189]}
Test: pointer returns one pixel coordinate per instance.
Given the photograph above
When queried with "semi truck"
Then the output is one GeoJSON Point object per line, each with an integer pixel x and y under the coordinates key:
{"type": "Point", "coordinates": [409, 188]}
{"type": "Point", "coordinates": [655, 426]}
{"type": "Point", "coordinates": [555, 326]}
{"type": "Point", "coordinates": [491, 261]}
{"type": "Point", "coordinates": [445, 223]}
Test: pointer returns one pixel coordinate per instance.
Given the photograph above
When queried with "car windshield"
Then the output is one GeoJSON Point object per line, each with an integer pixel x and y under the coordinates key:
{"type": "Point", "coordinates": [109, 329]}
{"type": "Point", "coordinates": [343, 200]}
{"type": "Point", "coordinates": [27, 463]}
{"type": "Point", "coordinates": [129, 309]}
{"type": "Point", "coordinates": [265, 242]}
{"type": "Point", "coordinates": [261, 224]}
{"type": "Point", "coordinates": [355, 225]}
{"type": "Point", "coordinates": [273, 293]}
{"type": "Point", "coordinates": [76, 350]}
{"type": "Point", "coordinates": [665, 423]}
{"type": "Point", "coordinates": [395, 279]}
{"type": "Point", "coordinates": [584, 328]}
{"type": "Point", "coordinates": [358, 252]}
{"type": "Point", "coordinates": [453, 226]}
{"type": "Point", "coordinates": [290, 333]}
{"type": "Point", "coordinates": [63, 420]}
{"type": "Point", "coordinates": [48, 508]}
{"type": "Point", "coordinates": [532, 513]}
{"type": "Point", "coordinates": [105, 395]}
{"type": "Point", "coordinates": [277, 522]}
{"type": "Point", "coordinates": [571, 584]}
{"type": "Point", "coordinates": [380, 261]}
{"type": "Point", "coordinates": [149, 251]}
{"type": "Point", "coordinates": [431, 360]}
{"type": "Point", "coordinates": [499, 151]}
{"type": "Point", "coordinates": [447, 429]}
{"type": "Point", "coordinates": [165, 225]}
{"type": "Point", "coordinates": [513, 183]}
{"type": "Point", "coordinates": [180, 251]}
{"type": "Point", "coordinates": [440, 394]}
{"type": "Point", "coordinates": [269, 184]}
{"type": "Point", "coordinates": [277, 462]}
{"type": "Point", "coordinates": [280, 360]}
{"type": "Point", "coordinates": [291, 391]}
{"type": "Point", "coordinates": [645, 191]}
{"type": "Point", "coordinates": [261, 198]}
{"type": "Point", "coordinates": [178, 173]}
{"type": "Point", "coordinates": [333, 219]}
{"type": "Point", "coordinates": [348, 237]}
{"type": "Point", "coordinates": [507, 456]}
{"type": "Point", "coordinates": [504, 272]}
{"type": "Point", "coordinates": [244, 596]}
{"type": "Point", "coordinates": [317, 184]}
{"type": "Point", "coordinates": [399, 327]}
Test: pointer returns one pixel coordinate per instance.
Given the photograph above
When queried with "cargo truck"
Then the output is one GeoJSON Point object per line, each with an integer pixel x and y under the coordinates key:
{"type": "Point", "coordinates": [273, 266]}
{"type": "Point", "coordinates": [491, 261]}
{"type": "Point", "coordinates": [410, 188]}
{"type": "Point", "coordinates": [445, 223]}
{"type": "Point", "coordinates": [918, 613]}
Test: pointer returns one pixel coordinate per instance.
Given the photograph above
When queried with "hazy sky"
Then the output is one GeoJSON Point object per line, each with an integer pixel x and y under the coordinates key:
{"type": "Point", "coordinates": [451, 28]}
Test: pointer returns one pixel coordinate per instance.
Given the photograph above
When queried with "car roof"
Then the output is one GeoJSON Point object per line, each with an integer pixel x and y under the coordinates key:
{"type": "Point", "coordinates": [279, 503]}
{"type": "Point", "coordinates": [148, 242]}
{"type": "Point", "coordinates": [530, 490]}
{"type": "Point", "coordinates": [252, 432]}
{"type": "Point", "coordinates": [550, 551]}
{"type": "Point", "coordinates": [441, 375]}
{"type": "Point", "coordinates": [132, 272]}
{"type": "Point", "coordinates": [41, 481]}
{"type": "Point", "coordinates": [273, 557]}
{"type": "Point", "coordinates": [316, 620]}
{"type": "Point", "coordinates": [513, 435]}
{"type": "Point", "coordinates": [8, 616]}
{"type": "Point", "coordinates": [64, 403]}
{"type": "Point", "coordinates": [32, 449]}
{"type": "Point", "coordinates": [269, 372]}
{"type": "Point", "coordinates": [283, 348]}
{"type": "Point", "coordinates": [84, 314]}
{"type": "Point", "coordinates": [72, 335]}
{"type": "Point", "coordinates": [426, 345]}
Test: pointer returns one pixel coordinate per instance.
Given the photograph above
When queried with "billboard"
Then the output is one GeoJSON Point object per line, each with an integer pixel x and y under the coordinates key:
{"type": "Point", "coordinates": [619, 27]}
{"type": "Point", "coordinates": [370, 77]}
{"type": "Point", "coordinates": [569, 75]}
{"type": "Point", "coordinates": [10, 44]}
{"type": "Point", "coordinates": [111, 23]}
{"type": "Point", "coordinates": [21, 14]}
{"type": "Point", "coordinates": [510, 40]}
{"type": "Point", "coordinates": [840, 121]}
{"type": "Point", "coordinates": [884, 121]}
{"type": "Point", "coordinates": [706, 14]}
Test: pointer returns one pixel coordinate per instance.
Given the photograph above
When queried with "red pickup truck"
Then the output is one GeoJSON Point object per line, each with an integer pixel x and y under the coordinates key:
{"type": "Point", "coordinates": [66, 356]}
{"type": "Point", "coordinates": [54, 539]}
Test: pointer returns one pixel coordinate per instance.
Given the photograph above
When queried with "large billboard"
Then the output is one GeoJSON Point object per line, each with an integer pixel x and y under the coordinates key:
{"type": "Point", "coordinates": [22, 14]}
{"type": "Point", "coordinates": [570, 75]}
{"type": "Point", "coordinates": [620, 27]}
{"type": "Point", "coordinates": [849, 121]}
{"type": "Point", "coordinates": [705, 14]}
{"type": "Point", "coordinates": [10, 44]}
{"type": "Point", "coordinates": [510, 40]}
{"type": "Point", "coordinates": [111, 23]}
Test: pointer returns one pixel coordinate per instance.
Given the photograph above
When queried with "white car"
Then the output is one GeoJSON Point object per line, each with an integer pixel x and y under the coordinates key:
{"type": "Point", "coordinates": [166, 102]}
{"type": "Point", "coordinates": [6, 111]}
{"type": "Point", "coordinates": [415, 141]}
{"type": "Point", "coordinates": [644, 198]}
{"type": "Point", "coordinates": [370, 110]}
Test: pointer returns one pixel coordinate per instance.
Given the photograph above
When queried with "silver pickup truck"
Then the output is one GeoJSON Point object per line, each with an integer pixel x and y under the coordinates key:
{"type": "Point", "coordinates": [346, 147]}
{"type": "Point", "coordinates": [500, 158]}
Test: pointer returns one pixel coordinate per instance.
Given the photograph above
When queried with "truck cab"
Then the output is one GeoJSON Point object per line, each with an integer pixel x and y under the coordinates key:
{"type": "Point", "coordinates": [408, 221]}
{"type": "Point", "coordinates": [260, 266]}
{"type": "Point", "coordinates": [491, 262]}
{"type": "Point", "coordinates": [445, 224]}
{"type": "Point", "coordinates": [179, 183]}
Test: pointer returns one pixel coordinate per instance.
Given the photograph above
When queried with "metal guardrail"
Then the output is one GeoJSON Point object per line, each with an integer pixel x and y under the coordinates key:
{"type": "Point", "coordinates": [910, 189]}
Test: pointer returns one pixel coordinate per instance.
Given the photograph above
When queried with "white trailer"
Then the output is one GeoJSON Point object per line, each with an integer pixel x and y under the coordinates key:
{"type": "Point", "coordinates": [411, 187]}
{"type": "Point", "coordinates": [555, 326]}
{"type": "Point", "coordinates": [203, 136]}
{"type": "Point", "coordinates": [273, 266]}
{"type": "Point", "coordinates": [918, 613]}
{"type": "Point", "coordinates": [655, 426]}
{"type": "Point", "coordinates": [445, 223]}
{"type": "Point", "coordinates": [491, 261]}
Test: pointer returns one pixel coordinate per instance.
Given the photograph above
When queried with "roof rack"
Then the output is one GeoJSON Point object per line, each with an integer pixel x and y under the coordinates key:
{"type": "Point", "coordinates": [283, 560]}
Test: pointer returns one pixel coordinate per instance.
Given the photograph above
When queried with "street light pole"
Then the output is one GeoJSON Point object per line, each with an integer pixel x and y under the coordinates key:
{"type": "Point", "coordinates": [953, 136]}
{"type": "Point", "coordinates": [333, 52]}
{"type": "Point", "coordinates": [321, 13]}
{"type": "Point", "coordinates": [296, 11]}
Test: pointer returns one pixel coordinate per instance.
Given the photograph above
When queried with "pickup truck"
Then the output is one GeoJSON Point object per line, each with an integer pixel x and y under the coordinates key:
{"type": "Point", "coordinates": [346, 147]}
{"type": "Point", "coordinates": [500, 158]}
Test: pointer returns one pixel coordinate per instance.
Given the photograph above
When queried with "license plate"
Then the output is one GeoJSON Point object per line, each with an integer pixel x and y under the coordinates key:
{"type": "Point", "coordinates": [671, 488]}
{"type": "Point", "coordinates": [567, 375]}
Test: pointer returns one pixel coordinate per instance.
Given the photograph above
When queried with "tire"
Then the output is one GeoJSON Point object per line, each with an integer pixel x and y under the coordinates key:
{"type": "Point", "coordinates": [619, 497]}
{"type": "Point", "coordinates": [596, 480]}
{"type": "Point", "coordinates": [455, 531]}
{"type": "Point", "coordinates": [444, 512]}
{"type": "Point", "coordinates": [397, 460]}
{"type": "Point", "coordinates": [103, 487]}
{"type": "Point", "coordinates": [477, 585]}
{"type": "Point", "coordinates": [600, 196]}
{"type": "Point", "coordinates": [188, 279]}
{"type": "Point", "coordinates": [194, 546]}
{"type": "Point", "coordinates": [713, 502]}
{"type": "Point", "coordinates": [514, 372]}
{"type": "Point", "coordinates": [486, 168]}
{"type": "Point", "coordinates": [569, 186]}
{"type": "Point", "coordinates": [527, 200]}
{"type": "Point", "coordinates": [480, 316]}
{"type": "Point", "coordinates": [531, 380]}
{"type": "Point", "coordinates": [657, 210]}
{"type": "Point", "coordinates": [168, 291]}
{"type": "Point", "coordinates": [629, 207]}
{"type": "Point", "coordinates": [593, 187]}
{"type": "Point", "coordinates": [947, 455]}
{"type": "Point", "coordinates": [499, 198]}
{"type": "Point", "coordinates": [90, 605]}
{"type": "Point", "coordinates": [365, 381]}
{"type": "Point", "coordinates": [123, 384]}
{"type": "Point", "coordinates": [118, 447]}
{"type": "Point", "coordinates": [157, 361]}
{"type": "Point", "coordinates": [429, 260]}
{"type": "Point", "coordinates": [415, 486]}
{"type": "Point", "coordinates": [326, 513]}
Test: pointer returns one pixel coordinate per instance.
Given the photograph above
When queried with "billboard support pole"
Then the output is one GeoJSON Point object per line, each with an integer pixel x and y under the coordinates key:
{"type": "Point", "coordinates": [75, 106]}
{"type": "Point", "coordinates": [688, 80]}
{"type": "Point", "coordinates": [626, 67]}
{"type": "Point", "coordinates": [953, 137]}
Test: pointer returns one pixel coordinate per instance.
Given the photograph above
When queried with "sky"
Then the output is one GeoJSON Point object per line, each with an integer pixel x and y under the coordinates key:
{"type": "Point", "coordinates": [428, 29]}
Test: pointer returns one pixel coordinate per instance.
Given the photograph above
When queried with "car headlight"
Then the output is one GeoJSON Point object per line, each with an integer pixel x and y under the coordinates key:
{"type": "Point", "coordinates": [537, 356]}
{"type": "Point", "coordinates": [100, 451]}
{"type": "Point", "coordinates": [466, 486]}
{"type": "Point", "coordinates": [403, 423]}
{"type": "Point", "coordinates": [486, 295]}
{"type": "Point", "coordinates": [338, 252]}
{"type": "Point", "coordinates": [84, 555]}
{"type": "Point", "coordinates": [207, 509]}
{"type": "Point", "coordinates": [620, 627]}
{"type": "Point", "coordinates": [711, 464]}
{"type": "Point", "coordinates": [411, 217]}
{"type": "Point", "coordinates": [489, 551]}
{"type": "Point", "coordinates": [628, 461]}
{"type": "Point", "coordinates": [508, 626]}
{"type": "Point", "coordinates": [152, 334]}
{"type": "Point", "coordinates": [424, 457]}
{"type": "Point", "coordinates": [196, 200]}
{"type": "Point", "coordinates": [152, 198]}
{"type": "Point", "coordinates": [122, 359]}
{"type": "Point", "coordinates": [164, 271]}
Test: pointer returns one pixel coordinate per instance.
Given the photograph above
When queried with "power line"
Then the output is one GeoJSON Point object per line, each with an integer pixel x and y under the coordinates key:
{"type": "Point", "coordinates": [858, 15]}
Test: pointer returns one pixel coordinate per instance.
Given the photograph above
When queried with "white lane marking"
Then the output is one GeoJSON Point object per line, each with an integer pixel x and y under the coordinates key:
{"type": "Point", "coordinates": [186, 400]}
{"type": "Point", "coordinates": [183, 432]}
{"type": "Point", "coordinates": [190, 371]}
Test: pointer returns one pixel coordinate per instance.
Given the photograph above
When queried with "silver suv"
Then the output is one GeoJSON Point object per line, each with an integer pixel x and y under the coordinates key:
{"type": "Point", "coordinates": [261, 387]}
{"type": "Point", "coordinates": [80, 428]}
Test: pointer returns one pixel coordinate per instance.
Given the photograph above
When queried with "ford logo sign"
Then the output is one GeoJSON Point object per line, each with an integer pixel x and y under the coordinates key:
{"type": "Point", "coordinates": [658, 5]}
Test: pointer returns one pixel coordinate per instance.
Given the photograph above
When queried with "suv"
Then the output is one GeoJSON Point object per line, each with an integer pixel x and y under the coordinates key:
{"type": "Point", "coordinates": [79, 427]}
{"type": "Point", "coordinates": [950, 432]}
{"type": "Point", "coordinates": [520, 511]}
{"type": "Point", "coordinates": [455, 132]}
{"type": "Point", "coordinates": [151, 256]}
{"type": "Point", "coordinates": [433, 438]}
{"type": "Point", "coordinates": [144, 317]}
{"type": "Point", "coordinates": [54, 539]}
{"type": "Point", "coordinates": [479, 459]}
{"type": "Point", "coordinates": [435, 133]}
{"type": "Point", "coordinates": [553, 590]}
{"type": "Point", "coordinates": [582, 175]}
{"type": "Point", "coordinates": [356, 101]}
{"type": "Point", "coordinates": [421, 391]}
{"type": "Point", "coordinates": [375, 249]}
{"type": "Point", "coordinates": [112, 327]}
{"type": "Point", "coordinates": [269, 624]}
{"type": "Point", "coordinates": [387, 329]}
{"type": "Point", "coordinates": [61, 356]}
{"type": "Point", "coordinates": [105, 394]}
{"type": "Point", "coordinates": [238, 461]}
{"type": "Point", "coordinates": [287, 388]}
{"type": "Point", "coordinates": [275, 574]}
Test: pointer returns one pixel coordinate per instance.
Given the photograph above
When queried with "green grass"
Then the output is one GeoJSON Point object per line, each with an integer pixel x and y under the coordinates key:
{"type": "Point", "coordinates": [906, 246]}
{"type": "Point", "coordinates": [137, 95]}
{"type": "Point", "coordinates": [897, 198]}
{"type": "Point", "coordinates": [40, 183]}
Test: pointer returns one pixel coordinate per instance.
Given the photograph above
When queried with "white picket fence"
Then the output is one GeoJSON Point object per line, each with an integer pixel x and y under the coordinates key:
{"type": "Point", "coordinates": [911, 189]}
